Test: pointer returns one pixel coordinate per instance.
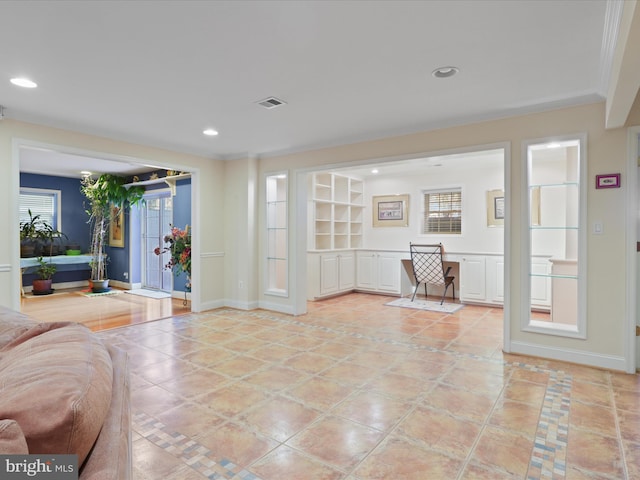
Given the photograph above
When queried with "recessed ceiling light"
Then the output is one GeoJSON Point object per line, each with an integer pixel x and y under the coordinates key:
{"type": "Point", "coordinates": [23, 82]}
{"type": "Point", "coordinates": [445, 72]}
{"type": "Point", "coordinates": [374, 171]}
{"type": "Point", "coordinates": [211, 132]}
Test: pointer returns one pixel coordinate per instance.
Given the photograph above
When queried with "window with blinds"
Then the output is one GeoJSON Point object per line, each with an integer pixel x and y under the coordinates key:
{"type": "Point", "coordinates": [41, 202]}
{"type": "Point", "coordinates": [442, 211]}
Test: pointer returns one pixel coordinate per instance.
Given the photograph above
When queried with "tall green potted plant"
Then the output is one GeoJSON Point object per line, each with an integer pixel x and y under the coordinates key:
{"type": "Point", "coordinates": [107, 196]}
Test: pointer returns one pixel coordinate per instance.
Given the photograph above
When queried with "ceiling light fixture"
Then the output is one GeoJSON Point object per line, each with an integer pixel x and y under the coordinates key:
{"type": "Point", "coordinates": [445, 72]}
{"type": "Point", "coordinates": [210, 132]}
{"type": "Point", "coordinates": [23, 82]}
{"type": "Point", "coordinates": [374, 171]}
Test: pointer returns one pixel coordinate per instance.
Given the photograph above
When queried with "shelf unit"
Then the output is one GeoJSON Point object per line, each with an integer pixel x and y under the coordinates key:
{"type": "Point", "coordinates": [170, 180]}
{"type": "Point", "coordinates": [551, 278]}
{"type": "Point", "coordinates": [337, 204]}
{"type": "Point", "coordinates": [277, 233]}
{"type": "Point", "coordinates": [567, 226]}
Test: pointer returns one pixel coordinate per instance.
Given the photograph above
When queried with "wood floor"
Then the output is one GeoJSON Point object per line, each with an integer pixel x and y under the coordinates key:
{"type": "Point", "coordinates": [100, 312]}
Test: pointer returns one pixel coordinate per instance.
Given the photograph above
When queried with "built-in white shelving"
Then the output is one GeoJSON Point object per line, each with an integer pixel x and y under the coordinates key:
{"type": "Point", "coordinates": [337, 203]}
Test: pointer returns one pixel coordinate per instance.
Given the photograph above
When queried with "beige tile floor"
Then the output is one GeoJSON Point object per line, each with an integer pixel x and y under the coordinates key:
{"type": "Point", "coordinates": [357, 390]}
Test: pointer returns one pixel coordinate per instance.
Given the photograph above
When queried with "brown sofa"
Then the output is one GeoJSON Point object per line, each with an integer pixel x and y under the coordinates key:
{"type": "Point", "coordinates": [64, 391]}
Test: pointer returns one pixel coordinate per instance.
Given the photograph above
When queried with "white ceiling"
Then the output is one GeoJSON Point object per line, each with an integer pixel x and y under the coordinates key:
{"type": "Point", "coordinates": [159, 72]}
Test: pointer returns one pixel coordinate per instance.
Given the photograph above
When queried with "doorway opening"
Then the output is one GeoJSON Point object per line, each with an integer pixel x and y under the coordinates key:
{"type": "Point", "coordinates": [348, 250]}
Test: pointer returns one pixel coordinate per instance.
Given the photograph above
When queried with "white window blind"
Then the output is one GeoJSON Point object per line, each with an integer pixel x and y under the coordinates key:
{"type": "Point", "coordinates": [41, 202]}
{"type": "Point", "coordinates": [442, 211]}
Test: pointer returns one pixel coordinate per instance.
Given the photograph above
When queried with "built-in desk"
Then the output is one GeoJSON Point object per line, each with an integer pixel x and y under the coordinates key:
{"type": "Point", "coordinates": [389, 272]}
{"type": "Point", "coordinates": [479, 277]}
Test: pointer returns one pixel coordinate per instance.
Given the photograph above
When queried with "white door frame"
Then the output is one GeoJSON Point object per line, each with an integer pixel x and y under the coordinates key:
{"type": "Point", "coordinates": [631, 353]}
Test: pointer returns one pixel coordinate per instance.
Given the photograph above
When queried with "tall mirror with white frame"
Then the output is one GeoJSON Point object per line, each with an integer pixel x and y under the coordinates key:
{"type": "Point", "coordinates": [554, 265]}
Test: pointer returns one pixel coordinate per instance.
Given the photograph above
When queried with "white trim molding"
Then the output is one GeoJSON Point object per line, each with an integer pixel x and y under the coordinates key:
{"type": "Point", "coordinates": [632, 356]}
{"type": "Point", "coordinates": [609, 362]}
{"type": "Point", "coordinates": [277, 307]}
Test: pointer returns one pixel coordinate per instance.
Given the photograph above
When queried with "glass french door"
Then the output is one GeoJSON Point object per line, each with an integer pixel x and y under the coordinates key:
{"type": "Point", "coordinates": [157, 215]}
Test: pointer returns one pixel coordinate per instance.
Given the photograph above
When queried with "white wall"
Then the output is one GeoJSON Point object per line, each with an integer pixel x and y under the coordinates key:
{"type": "Point", "coordinates": [475, 182]}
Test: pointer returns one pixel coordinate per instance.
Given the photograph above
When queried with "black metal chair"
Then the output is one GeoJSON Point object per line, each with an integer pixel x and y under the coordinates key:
{"type": "Point", "coordinates": [428, 268]}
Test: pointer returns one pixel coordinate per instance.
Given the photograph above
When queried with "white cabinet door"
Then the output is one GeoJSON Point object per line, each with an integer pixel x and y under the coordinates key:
{"type": "Point", "coordinates": [328, 274]}
{"type": "Point", "coordinates": [366, 270]}
{"type": "Point", "coordinates": [472, 278]}
{"type": "Point", "coordinates": [378, 272]}
{"type": "Point", "coordinates": [388, 273]}
{"type": "Point", "coordinates": [495, 279]}
{"type": "Point", "coordinates": [346, 271]}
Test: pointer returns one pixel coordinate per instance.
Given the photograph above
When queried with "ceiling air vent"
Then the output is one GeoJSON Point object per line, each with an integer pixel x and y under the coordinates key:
{"type": "Point", "coordinates": [271, 102]}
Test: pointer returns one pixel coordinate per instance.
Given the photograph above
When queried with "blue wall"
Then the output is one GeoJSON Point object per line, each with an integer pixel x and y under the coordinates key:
{"type": "Point", "coordinates": [74, 222]}
{"type": "Point", "coordinates": [74, 216]}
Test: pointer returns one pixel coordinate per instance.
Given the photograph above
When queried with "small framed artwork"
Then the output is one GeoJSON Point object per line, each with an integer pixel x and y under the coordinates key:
{"type": "Point", "coordinates": [116, 227]}
{"type": "Point", "coordinates": [610, 180]}
{"type": "Point", "coordinates": [391, 210]}
{"type": "Point", "coordinates": [495, 207]}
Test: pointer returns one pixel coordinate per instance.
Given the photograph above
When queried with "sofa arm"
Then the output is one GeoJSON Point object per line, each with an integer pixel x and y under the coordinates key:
{"type": "Point", "coordinates": [111, 455]}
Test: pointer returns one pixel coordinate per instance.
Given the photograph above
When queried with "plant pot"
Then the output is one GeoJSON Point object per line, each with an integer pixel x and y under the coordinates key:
{"type": "Point", "coordinates": [42, 287]}
{"type": "Point", "coordinates": [27, 251]}
{"type": "Point", "coordinates": [99, 286]}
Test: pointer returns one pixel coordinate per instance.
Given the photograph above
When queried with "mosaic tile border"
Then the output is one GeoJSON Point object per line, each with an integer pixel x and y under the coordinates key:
{"type": "Point", "coordinates": [194, 454]}
{"type": "Point", "coordinates": [548, 459]}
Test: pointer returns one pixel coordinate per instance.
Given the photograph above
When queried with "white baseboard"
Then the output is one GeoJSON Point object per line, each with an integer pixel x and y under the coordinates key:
{"type": "Point", "coordinates": [119, 284]}
{"type": "Point", "coordinates": [609, 362]}
{"type": "Point", "coordinates": [211, 305]}
{"type": "Point", "coordinates": [277, 307]}
{"type": "Point", "coordinates": [240, 305]}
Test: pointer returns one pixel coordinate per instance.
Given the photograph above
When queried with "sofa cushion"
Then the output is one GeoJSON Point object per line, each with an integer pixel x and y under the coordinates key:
{"type": "Point", "coordinates": [56, 382]}
{"type": "Point", "coordinates": [12, 325]}
{"type": "Point", "coordinates": [12, 441]}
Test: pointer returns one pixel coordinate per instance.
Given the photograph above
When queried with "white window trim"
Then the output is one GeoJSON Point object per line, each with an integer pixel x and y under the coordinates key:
{"type": "Point", "coordinates": [441, 189]}
{"type": "Point", "coordinates": [58, 196]}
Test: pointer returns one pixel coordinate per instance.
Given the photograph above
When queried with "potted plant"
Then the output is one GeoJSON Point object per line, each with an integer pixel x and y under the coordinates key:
{"type": "Point", "coordinates": [44, 271]}
{"type": "Point", "coordinates": [37, 237]}
{"type": "Point", "coordinates": [106, 195]}
{"type": "Point", "coordinates": [28, 235]}
{"type": "Point", "coordinates": [48, 238]}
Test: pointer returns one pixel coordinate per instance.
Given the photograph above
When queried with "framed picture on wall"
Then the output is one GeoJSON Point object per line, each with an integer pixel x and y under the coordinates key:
{"type": "Point", "coordinates": [391, 210]}
{"type": "Point", "coordinates": [495, 207]}
{"type": "Point", "coordinates": [116, 227]}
